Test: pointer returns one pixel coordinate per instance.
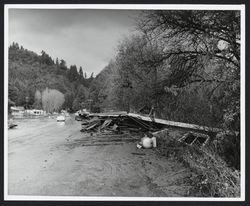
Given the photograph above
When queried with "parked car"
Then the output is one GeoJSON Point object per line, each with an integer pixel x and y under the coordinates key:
{"type": "Point", "coordinates": [60, 118]}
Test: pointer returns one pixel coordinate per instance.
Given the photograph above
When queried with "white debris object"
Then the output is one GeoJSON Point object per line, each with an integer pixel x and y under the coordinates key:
{"type": "Point", "coordinates": [138, 146]}
{"type": "Point", "coordinates": [222, 45]}
{"type": "Point", "coordinates": [146, 142]}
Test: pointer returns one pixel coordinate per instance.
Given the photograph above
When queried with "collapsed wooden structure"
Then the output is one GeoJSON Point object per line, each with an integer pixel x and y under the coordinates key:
{"type": "Point", "coordinates": [135, 122]}
{"type": "Point", "coordinates": [117, 122]}
{"type": "Point", "coordinates": [135, 126]}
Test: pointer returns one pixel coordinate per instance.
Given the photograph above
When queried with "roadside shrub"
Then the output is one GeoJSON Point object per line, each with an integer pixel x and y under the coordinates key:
{"type": "Point", "coordinates": [227, 145]}
{"type": "Point", "coordinates": [213, 177]}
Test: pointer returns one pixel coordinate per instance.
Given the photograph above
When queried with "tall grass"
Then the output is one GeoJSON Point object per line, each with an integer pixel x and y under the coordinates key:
{"type": "Point", "coordinates": [213, 177]}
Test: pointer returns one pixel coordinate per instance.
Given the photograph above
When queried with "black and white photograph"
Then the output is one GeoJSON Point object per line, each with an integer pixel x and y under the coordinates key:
{"type": "Point", "coordinates": [124, 102]}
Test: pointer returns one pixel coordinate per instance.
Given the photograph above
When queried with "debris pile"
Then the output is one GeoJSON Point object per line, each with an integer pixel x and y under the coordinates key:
{"type": "Point", "coordinates": [127, 123]}
{"type": "Point", "coordinates": [193, 138]}
{"type": "Point", "coordinates": [117, 123]}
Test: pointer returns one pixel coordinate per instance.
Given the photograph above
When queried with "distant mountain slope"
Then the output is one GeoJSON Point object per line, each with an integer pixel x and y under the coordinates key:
{"type": "Point", "coordinates": [29, 72]}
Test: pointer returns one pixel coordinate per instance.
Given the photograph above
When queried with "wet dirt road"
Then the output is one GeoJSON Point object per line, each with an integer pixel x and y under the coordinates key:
{"type": "Point", "coordinates": [49, 158]}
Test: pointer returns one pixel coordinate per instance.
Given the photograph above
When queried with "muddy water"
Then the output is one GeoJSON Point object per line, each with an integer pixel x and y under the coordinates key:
{"type": "Point", "coordinates": [50, 158]}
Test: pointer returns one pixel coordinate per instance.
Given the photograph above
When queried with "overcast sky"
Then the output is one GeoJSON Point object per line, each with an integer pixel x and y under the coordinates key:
{"type": "Point", "coordinates": [87, 38]}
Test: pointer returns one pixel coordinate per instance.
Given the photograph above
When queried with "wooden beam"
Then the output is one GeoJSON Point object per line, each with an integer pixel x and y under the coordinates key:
{"type": "Point", "coordinates": [176, 124]}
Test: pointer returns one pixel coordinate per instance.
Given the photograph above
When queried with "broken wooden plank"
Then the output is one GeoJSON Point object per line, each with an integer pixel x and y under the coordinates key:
{"type": "Point", "coordinates": [92, 126]}
{"type": "Point", "coordinates": [108, 114]}
{"type": "Point", "coordinates": [106, 123]}
{"type": "Point", "coordinates": [176, 124]}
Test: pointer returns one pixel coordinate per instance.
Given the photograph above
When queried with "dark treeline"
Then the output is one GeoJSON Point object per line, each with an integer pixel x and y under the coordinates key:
{"type": "Point", "coordinates": [30, 74]}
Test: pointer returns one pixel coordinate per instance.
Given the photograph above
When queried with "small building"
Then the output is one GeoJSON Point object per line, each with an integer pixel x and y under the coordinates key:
{"type": "Point", "coordinates": [17, 111]}
{"type": "Point", "coordinates": [35, 112]}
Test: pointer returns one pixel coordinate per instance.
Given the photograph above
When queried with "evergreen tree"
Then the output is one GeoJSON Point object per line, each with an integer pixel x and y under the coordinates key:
{"type": "Point", "coordinates": [73, 74]}
{"type": "Point", "coordinates": [63, 64]}
{"type": "Point", "coordinates": [80, 72]}
{"type": "Point", "coordinates": [92, 75]}
{"type": "Point", "coordinates": [46, 59]}
{"type": "Point", "coordinates": [57, 62]}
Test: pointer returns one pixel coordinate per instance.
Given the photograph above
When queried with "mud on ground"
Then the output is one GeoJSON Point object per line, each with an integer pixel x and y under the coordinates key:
{"type": "Point", "coordinates": [47, 158]}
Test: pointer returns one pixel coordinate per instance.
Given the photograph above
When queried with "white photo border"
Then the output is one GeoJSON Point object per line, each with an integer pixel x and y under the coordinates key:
{"type": "Point", "coordinates": [240, 7]}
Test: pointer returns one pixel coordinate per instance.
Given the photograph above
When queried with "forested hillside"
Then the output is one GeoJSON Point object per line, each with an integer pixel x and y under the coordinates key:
{"type": "Point", "coordinates": [30, 74]}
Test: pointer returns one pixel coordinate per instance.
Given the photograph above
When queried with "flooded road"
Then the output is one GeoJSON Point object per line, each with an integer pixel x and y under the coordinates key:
{"type": "Point", "coordinates": [56, 159]}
